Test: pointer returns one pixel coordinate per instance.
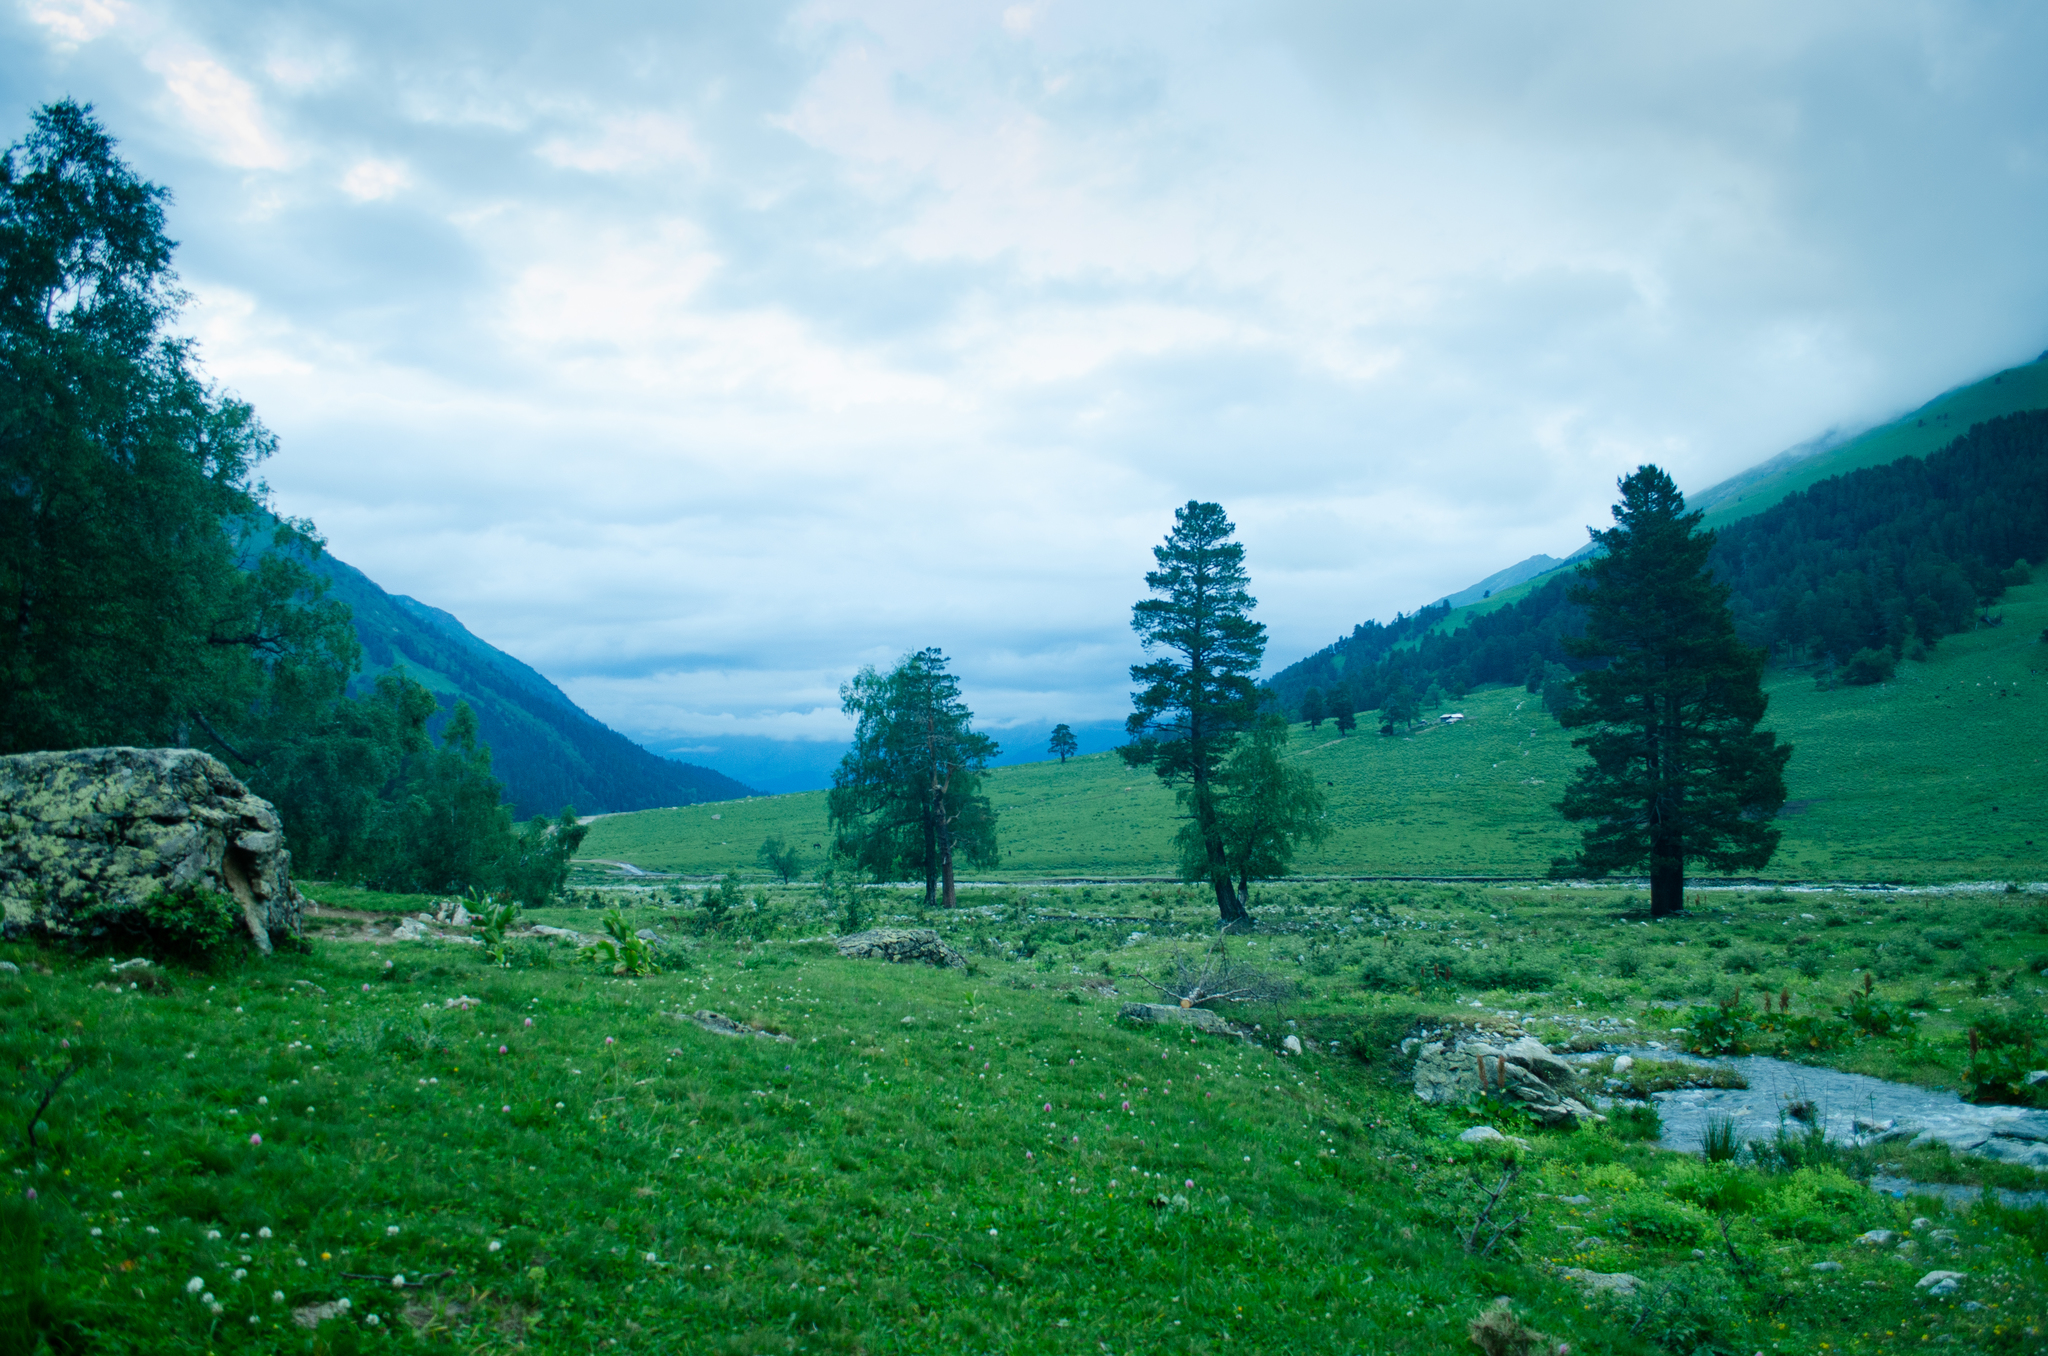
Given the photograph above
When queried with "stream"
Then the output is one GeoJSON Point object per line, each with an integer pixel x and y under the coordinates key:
{"type": "Point", "coordinates": [1855, 1109]}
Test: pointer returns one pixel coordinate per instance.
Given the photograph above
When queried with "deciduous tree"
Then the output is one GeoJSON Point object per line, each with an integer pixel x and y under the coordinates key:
{"type": "Point", "coordinates": [1679, 771]}
{"type": "Point", "coordinates": [1266, 807]}
{"type": "Point", "coordinates": [907, 795]}
{"type": "Point", "coordinates": [1198, 698]}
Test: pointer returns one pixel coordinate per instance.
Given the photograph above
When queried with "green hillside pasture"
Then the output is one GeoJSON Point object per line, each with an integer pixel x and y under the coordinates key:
{"type": "Point", "coordinates": [1892, 782]}
{"type": "Point", "coordinates": [986, 1161]}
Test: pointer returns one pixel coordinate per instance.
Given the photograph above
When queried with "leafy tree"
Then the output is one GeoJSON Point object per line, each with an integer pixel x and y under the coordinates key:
{"type": "Point", "coordinates": [1312, 708]}
{"type": "Point", "coordinates": [537, 865]}
{"type": "Point", "coordinates": [781, 858]}
{"type": "Point", "coordinates": [1063, 744]}
{"type": "Point", "coordinates": [1347, 721]}
{"type": "Point", "coordinates": [1266, 807]}
{"type": "Point", "coordinates": [127, 613]}
{"type": "Point", "coordinates": [1198, 699]}
{"type": "Point", "coordinates": [1401, 709]}
{"type": "Point", "coordinates": [1679, 772]}
{"type": "Point", "coordinates": [1558, 693]}
{"type": "Point", "coordinates": [907, 795]}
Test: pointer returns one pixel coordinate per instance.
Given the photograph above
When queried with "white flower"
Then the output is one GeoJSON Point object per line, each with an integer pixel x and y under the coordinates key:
{"type": "Point", "coordinates": [398, 1281]}
{"type": "Point", "coordinates": [195, 1285]}
{"type": "Point", "coordinates": [95, 1233]}
{"type": "Point", "coordinates": [213, 1233]}
{"type": "Point", "coordinates": [262, 1101]}
{"type": "Point", "coordinates": [277, 1297]}
{"type": "Point", "coordinates": [343, 1305]}
{"type": "Point", "coordinates": [372, 1319]}
{"type": "Point", "coordinates": [650, 1257]}
{"type": "Point", "coordinates": [991, 1233]}
{"type": "Point", "coordinates": [391, 1231]}
{"type": "Point", "coordinates": [207, 1299]}
{"type": "Point", "coordinates": [264, 1232]}
{"type": "Point", "coordinates": [117, 1195]}
{"type": "Point", "coordinates": [495, 1245]}
{"type": "Point", "coordinates": [149, 1228]}
{"type": "Point", "coordinates": [241, 1273]}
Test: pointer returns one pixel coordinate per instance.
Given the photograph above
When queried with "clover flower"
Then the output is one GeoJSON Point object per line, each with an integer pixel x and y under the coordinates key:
{"type": "Point", "coordinates": [213, 1233]}
{"type": "Point", "coordinates": [255, 1141]}
{"type": "Point", "coordinates": [391, 1231]}
{"type": "Point", "coordinates": [277, 1297]}
{"type": "Point", "coordinates": [398, 1281]}
{"type": "Point", "coordinates": [495, 1245]}
{"type": "Point", "coordinates": [241, 1273]}
{"type": "Point", "coordinates": [529, 1021]}
{"type": "Point", "coordinates": [504, 1050]}
{"type": "Point", "coordinates": [195, 1285]}
{"type": "Point", "coordinates": [264, 1232]}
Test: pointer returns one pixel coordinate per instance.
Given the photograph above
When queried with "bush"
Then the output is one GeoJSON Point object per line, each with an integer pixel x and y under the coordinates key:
{"type": "Point", "coordinates": [1869, 666]}
{"type": "Point", "coordinates": [1873, 1016]}
{"type": "Point", "coordinates": [1721, 1030]}
{"type": "Point", "coordinates": [202, 928]}
{"type": "Point", "coordinates": [1628, 964]}
{"type": "Point", "coordinates": [1632, 1121]}
{"type": "Point", "coordinates": [1665, 1223]}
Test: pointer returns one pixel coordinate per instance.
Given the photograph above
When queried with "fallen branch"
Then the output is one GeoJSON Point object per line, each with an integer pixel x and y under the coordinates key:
{"type": "Point", "coordinates": [44, 1105]}
{"type": "Point", "coordinates": [1481, 1221]}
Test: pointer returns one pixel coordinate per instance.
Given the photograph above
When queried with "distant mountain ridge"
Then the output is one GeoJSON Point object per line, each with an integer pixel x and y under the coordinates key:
{"type": "Point", "coordinates": [547, 750]}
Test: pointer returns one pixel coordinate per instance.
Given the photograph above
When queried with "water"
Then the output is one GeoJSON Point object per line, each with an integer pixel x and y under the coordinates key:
{"type": "Point", "coordinates": [2003, 1133]}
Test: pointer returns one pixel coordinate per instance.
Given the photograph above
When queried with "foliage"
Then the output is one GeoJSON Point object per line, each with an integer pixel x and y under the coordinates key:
{"type": "Point", "coordinates": [722, 899]}
{"type": "Point", "coordinates": [201, 928]}
{"type": "Point", "coordinates": [907, 796]}
{"type": "Point", "coordinates": [537, 861]}
{"type": "Point", "coordinates": [1266, 807]}
{"type": "Point", "coordinates": [781, 858]}
{"type": "Point", "coordinates": [1198, 697]}
{"type": "Point", "coordinates": [1678, 772]}
{"type": "Point", "coordinates": [494, 914]}
{"type": "Point", "coordinates": [1636, 1121]}
{"type": "Point", "coordinates": [1875, 1016]}
{"type": "Point", "coordinates": [1312, 713]}
{"type": "Point", "coordinates": [1063, 745]}
{"type": "Point", "coordinates": [619, 950]}
{"type": "Point", "coordinates": [2002, 1054]}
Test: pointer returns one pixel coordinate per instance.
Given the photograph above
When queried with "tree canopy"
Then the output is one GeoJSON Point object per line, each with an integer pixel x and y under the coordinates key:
{"type": "Point", "coordinates": [1679, 771]}
{"type": "Point", "coordinates": [906, 798]}
{"type": "Point", "coordinates": [1063, 745]}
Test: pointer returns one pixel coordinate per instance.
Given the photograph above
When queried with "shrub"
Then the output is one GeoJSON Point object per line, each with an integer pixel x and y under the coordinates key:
{"type": "Point", "coordinates": [203, 928]}
{"type": "Point", "coordinates": [1632, 1121]}
{"type": "Point", "coordinates": [1948, 939]}
{"type": "Point", "coordinates": [1720, 1030]}
{"type": "Point", "coordinates": [1808, 966]}
{"type": "Point", "coordinates": [1869, 666]}
{"type": "Point", "coordinates": [1744, 962]}
{"type": "Point", "coordinates": [1719, 1142]}
{"type": "Point", "coordinates": [1873, 1016]}
{"type": "Point", "coordinates": [1666, 1223]}
{"type": "Point", "coordinates": [1628, 964]}
{"type": "Point", "coordinates": [620, 951]}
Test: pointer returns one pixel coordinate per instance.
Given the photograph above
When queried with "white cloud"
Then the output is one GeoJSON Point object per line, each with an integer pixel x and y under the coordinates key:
{"type": "Point", "coordinates": [218, 107]}
{"type": "Point", "coordinates": [637, 142]}
{"type": "Point", "coordinates": [373, 180]}
{"type": "Point", "coordinates": [73, 23]}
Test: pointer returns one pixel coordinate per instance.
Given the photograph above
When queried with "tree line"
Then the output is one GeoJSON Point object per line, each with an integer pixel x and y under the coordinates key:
{"type": "Point", "coordinates": [147, 594]}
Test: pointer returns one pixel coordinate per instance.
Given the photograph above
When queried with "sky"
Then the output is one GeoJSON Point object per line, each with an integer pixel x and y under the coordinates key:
{"type": "Point", "coordinates": [698, 355]}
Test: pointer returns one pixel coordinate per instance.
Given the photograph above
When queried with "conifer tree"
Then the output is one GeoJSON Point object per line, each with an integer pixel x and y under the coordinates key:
{"type": "Point", "coordinates": [1679, 771]}
{"type": "Point", "coordinates": [1063, 744]}
{"type": "Point", "coordinates": [1199, 697]}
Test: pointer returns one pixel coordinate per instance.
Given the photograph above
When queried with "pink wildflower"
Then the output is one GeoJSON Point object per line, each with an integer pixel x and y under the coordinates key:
{"type": "Point", "coordinates": [1048, 1106]}
{"type": "Point", "coordinates": [607, 1040]}
{"type": "Point", "coordinates": [503, 1050]}
{"type": "Point", "coordinates": [529, 1021]}
{"type": "Point", "coordinates": [255, 1141]}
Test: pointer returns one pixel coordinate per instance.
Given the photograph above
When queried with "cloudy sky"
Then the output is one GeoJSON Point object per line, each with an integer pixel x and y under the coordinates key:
{"type": "Point", "coordinates": [698, 354]}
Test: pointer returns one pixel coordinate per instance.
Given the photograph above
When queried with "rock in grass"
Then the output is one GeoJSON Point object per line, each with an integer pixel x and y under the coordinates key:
{"type": "Point", "coordinates": [1618, 1283]}
{"type": "Point", "coordinates": [903, 946]}
{"type": "Point", "coordinates": [1199, 1018]}
{"type": "Point", "coordinates": [1941, 1282]}
{"type": "Point", "coordinates": [1877, 1238]}
{"type": "Point", "coordinates": [90, 828]}
{"type": "Point", "coordinates": [1825, 1266]}
{"type": "Point", "coordinates": [1481, 1134]}
{"type": "Point", "coordinates": [720, 1024]}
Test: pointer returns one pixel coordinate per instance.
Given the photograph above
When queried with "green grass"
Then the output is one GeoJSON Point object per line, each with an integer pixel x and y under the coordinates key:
{"type": "Point", "coordinates": [1894, 782]}
{"type": "Point", "coordinates": [890, 1179]}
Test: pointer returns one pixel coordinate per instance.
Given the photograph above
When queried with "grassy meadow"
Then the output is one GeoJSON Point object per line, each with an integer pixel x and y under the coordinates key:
{"type": "Point", "coordinates": [1937, 775]}
{"type": "Point", "coordinates": [978, 1161]}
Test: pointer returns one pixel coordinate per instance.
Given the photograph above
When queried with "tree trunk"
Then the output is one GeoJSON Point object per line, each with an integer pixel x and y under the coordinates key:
{"type": "Point", "coordinates": [1667, 884]}
{"type": "Point", "coordinates": [931, 861]}
{"type": "Point", "coordinates": [946, 871]}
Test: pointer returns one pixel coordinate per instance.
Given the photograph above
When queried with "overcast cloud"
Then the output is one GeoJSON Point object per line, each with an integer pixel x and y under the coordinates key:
{"type": "Point", "coordinates": [700, 354]}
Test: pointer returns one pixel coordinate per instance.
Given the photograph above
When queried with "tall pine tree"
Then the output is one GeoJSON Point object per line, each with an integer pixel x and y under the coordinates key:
{"type": "Point", "coordinates": [1679, 771]}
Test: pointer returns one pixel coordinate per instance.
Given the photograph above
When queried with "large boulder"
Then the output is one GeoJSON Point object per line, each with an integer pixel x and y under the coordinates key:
{"type": "Point", "coordinates": [902, 945]}
{"type": "Point", "coordinates": [1199, 1018]}
{"type": "Point", "coordinates": [113, 826]}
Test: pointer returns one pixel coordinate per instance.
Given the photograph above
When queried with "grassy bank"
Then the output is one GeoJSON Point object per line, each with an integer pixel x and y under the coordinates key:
{"type": "Point", "coordinates": [1937, 775]}
{"type": "Point", "coordinates": [939, 1160]}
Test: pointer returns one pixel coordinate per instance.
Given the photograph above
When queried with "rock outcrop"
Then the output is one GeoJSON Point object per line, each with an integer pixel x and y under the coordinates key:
{"type": "Point", "coordinates": [94, 827]}
{"type": "Point", "coordinates": [1524, 1070]}
{"type": "Point", "coordinates": [1199, 1018]}
{"type": "Point", "coordinates": [902, 945]}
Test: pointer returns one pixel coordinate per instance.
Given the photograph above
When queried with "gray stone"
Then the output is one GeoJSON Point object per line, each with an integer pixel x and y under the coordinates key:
{"type": "Point", "coordinates": [1623, 1063]}
{"type": "Point", "coordinates": [1481, 1134]}
{"type": "Point", "coordinates": [1533, 1055]}
{"type": "Point", "coordinates": [561, 934]}
{"type": "Point", "coordinates": [1617, 1283]}
{"type": "Point", "coordinates": [139, 963]}
{"type": "Point", "coordinates": [9, 968]}
{"type": "Point", "coordinates": [2037, 1076]}
{"type": "Point", "coordinates": [461, 918]}
{"type": "Point", "coordinates": [113, 826]}
{"type": "Point", "coordinates": [411, 930]}
{"type": "Point", "coordinates": [1941, 1282]}
{"type": "Point", "coordinates": [2002, 1150]}
{"type": "Point", "coordinates": [1447, 1074]}
{"type": "Point", "coordinates": [1199, 1018]}
{"type": "Point", "coordinates": [1292, 1045]}
{"type": "Point", "coordinates": [1825, 1266]}
{"type": "Point", "coordinates": [650, 935]}
{"type": "Point", "coordinates": [1876, 1238]}
{"type": "Point", "coordinates": [902, 946]}
{"type": "Point", "coordinates": [720, 1024]}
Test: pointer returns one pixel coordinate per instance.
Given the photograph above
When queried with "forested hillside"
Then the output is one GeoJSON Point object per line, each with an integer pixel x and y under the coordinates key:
{"type": "Point", "coordinates": [547, 750]}
{"type": "Point", "coordinates": [1850, 576]}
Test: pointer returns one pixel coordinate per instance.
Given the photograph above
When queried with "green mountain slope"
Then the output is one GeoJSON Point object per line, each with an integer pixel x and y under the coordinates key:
{"type": "Point", "coordinates": [547, 750]}
{"type": "Point", "coordinates": [1937, 775]}
{"type": "Point", "coordinates": [1928, 429]}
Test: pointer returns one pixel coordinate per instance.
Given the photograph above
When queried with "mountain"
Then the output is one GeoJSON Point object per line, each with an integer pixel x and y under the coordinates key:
{"type": "Point", "coordinates": [548, 751]}
{"type": "Point", "coordinates": [1914, 434]}
{"type": "Point", "coordinates": [1513, 574]}
{"type": "Point", "coordinates": [1788, 553]}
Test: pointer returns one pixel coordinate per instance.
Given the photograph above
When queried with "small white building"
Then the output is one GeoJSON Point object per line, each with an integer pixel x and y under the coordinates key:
{"type": "Point", "coordinates": [1451, 717]}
